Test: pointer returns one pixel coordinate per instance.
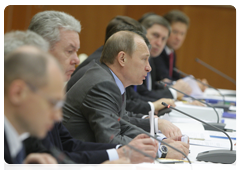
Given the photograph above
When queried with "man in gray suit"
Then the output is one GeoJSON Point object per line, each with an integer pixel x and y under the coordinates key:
{"type": "Point", "coordinates": [100, 93]}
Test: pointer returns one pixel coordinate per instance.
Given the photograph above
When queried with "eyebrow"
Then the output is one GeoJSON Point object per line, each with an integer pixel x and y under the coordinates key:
{"type": "Point", "coordinates": [72, 46]}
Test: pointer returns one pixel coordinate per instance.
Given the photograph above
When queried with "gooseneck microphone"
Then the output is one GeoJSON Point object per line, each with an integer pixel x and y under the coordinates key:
{"type": "Point", "coordinates": [144, 132]}
{"type": "Point", "coordinates": [192, 98]}
{"type": "Point", "coordinates": [216, 156]}
{"type": "Point", "coordinates": [201, 83]}
{"type": "Point", "coordinates": [215, 70]}
{"type": "Point", "coordinates": [60, 156]}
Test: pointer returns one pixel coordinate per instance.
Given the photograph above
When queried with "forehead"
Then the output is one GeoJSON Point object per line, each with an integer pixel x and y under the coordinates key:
{"type": "Point", "coordinates": [68, 37]}
{"type": "Point", "coordinates": [156, 28]}
{"type": "Point", "coordinates": [179, 25]}
{"type": "Point", "coordinates": [141, 46]}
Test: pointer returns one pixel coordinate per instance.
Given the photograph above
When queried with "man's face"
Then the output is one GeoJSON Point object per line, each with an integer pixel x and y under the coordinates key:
{"type": "Point", "coordinates": [177, 36]}
{"type": "Point", "coordinates": [39, 112]}
{"type": "Point", "coordinates": [137, 65]}
{"type": "Point", "coordinates": [65, 51]}
{"type": "Point", "coordinates": [157, 36]}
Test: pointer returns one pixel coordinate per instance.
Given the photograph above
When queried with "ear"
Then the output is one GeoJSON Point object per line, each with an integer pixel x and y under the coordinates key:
{"type": "Point", "coordinates": [17, 92]}
{"type": "Point", "coordinates": [121, 58]}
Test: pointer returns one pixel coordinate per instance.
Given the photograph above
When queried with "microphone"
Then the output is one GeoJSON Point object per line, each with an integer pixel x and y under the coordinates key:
{"type": "Point", "coordinates": [216, 156]}
{"type": "Point", "coordinates": [192, 98]}
{"type": "Point", "coordinates": [200, 82]}
{"type": "Point", "coordinates": [144, 132]}
{"type": "Point", "coordinates": [215, 70]}
{"type": "Point", "coordinates": [60, 156]}
{"type": "Point", "coordinates": [137, 150]}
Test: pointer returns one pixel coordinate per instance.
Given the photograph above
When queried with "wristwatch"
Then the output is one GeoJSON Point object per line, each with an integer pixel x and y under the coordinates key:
{"type": "Point", "coordinates": [164, 151]}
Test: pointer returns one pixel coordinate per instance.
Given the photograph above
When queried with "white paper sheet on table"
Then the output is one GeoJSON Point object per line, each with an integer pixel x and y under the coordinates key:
{"type": "Point", "coordinates": [183, 166]}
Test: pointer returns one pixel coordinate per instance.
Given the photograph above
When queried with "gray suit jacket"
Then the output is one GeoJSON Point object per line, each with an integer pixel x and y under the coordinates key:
{"type": "Point", "coordinates": [89, 105]}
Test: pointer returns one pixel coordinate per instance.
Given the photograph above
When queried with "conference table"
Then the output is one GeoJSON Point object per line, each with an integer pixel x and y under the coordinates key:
{"type": "Point", "coordinates": [212, 140]}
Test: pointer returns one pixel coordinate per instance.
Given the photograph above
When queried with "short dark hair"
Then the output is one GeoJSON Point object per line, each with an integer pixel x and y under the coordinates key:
{"type": "Point", "coordinates": [151, 19]}
{"type": "Point", "coordinates": [121, 23]}
{"type": "Point", "coordinates": [177, 16]}
{"type": "Point", "coordinates": [124, 41]}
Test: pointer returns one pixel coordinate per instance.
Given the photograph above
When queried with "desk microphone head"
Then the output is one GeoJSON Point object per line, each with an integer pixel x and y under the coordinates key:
{"type": "Point", "coordinates": [216, 156]}
{"type": "Point", "coordinates": [215, 70]}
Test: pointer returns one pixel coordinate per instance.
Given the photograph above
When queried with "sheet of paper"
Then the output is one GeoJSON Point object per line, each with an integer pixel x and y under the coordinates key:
{"type": "Point", "coordinates": [196, 91]}
{"type": "Point", "coordinates": [182, 166]}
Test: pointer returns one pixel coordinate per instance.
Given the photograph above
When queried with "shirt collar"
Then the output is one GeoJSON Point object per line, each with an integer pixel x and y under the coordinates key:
{"type": "Point", "coordinates": [118, 82]}
{"type": "Point", "coordinates": [168, 50]}
{"type": "Point", "coordinates": [14, 140]}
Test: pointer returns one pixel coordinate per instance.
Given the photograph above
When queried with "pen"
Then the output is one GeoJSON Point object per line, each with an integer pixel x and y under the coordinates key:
{"type": "Point", "coordinates": [197, 138]}
{"type": "Point", "coordinates": [172, 162]}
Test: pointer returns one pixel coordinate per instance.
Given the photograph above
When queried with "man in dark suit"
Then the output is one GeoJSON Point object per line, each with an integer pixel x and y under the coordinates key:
{"type": "Point", "coordinates": [158, 31]}
{"type": "Point", "coordinates": [135, 102]}
{"type": "Point", "coordinates": [166, 62]}
{"type": "Point", "coordinates": [96, 106]}
{"type": "Point", "coordinates": [30, 86]}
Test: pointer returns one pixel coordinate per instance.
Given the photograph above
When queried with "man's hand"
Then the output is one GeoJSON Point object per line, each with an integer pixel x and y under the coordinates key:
{"type": "Point", "coordinates": [120, 164]}
{"type": "Point", "coordinates": [168, 129]}
{"type": "Point", "coordinates": [166, 80]}
{"type": "Point", "coordinates": [180, 146]}
{"type": "Point", "coordinates": [182, 86]}
{"type": "Point", "coordinates": [196, 103]}
{"type": "Point", "coordinates": [143, 143]}
{"type": "Point", "coordinates": [40, 158]}
{"type": "Point", "coordinates": [201, 86]}
{"type": "Point", "coordinates": [158, 104]}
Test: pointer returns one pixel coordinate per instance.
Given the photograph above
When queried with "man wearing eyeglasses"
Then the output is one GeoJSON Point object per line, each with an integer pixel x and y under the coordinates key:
{"type": "Point", "coordinates": [32, 81]}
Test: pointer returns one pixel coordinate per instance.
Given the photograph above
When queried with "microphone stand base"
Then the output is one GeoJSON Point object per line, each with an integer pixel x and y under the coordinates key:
{"type": "Point", "coordinates": [218, 156]}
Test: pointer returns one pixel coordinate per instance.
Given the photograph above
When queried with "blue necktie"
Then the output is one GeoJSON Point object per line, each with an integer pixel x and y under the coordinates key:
{"type": "Point", "coordinates": [20, 156]}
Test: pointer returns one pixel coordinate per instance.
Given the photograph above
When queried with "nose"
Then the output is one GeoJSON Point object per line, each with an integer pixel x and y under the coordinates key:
{"type": "Point", "coordinates": [75, 60]}
{"type": "Point", "coordinates": [148, 67]}
{"type": "Point", "coordinates": [159, 42]}
{"type": "Point", "coordinates": [57, 115]}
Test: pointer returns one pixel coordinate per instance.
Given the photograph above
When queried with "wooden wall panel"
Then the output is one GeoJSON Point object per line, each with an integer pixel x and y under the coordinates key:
{"type": "Point", "coordinates": [211, 36]}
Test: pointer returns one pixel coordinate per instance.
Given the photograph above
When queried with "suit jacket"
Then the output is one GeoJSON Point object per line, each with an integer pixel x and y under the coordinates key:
{"type": "Point", "coordinates": [89, 107]}
{"type": "Point", "coordinates": [76, 150]}
{"type": "Point", "coordinates": [162, 67]}
{"type": "Point", "coordinates": [158, 91]}
{"type": "Point", "coordinates": [7, 155]}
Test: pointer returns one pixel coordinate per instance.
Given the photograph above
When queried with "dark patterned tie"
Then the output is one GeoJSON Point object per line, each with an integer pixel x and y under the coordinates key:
{"type": "Point", "coordinates": [20, 156]}
{"type": "Point", "coordinates": [170, 64]}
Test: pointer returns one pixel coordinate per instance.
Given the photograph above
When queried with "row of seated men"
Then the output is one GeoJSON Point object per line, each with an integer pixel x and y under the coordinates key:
{"type": "Point", "coordinates": [120, 79]}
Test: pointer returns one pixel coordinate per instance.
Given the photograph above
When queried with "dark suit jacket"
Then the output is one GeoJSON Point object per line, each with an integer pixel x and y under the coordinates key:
{"type": "Point", "coordinates": [162, 67]}
{"type": "Point", "coordinates": [7, 155]}
{"type": "Point", "coordinates": [158, 91]}
{"type": "Point", "coordinates": [90, 104]}
{"type": "Point", "coordinates": [76, 150]}
{"type": "Point", "coordinates": [136, 103]}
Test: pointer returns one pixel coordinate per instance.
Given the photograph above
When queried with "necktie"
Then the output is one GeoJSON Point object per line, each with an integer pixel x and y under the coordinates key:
{"type": "Point", "coordinates": [20, 156]}
{"type": "Point", "coordinates": [123, 98]}
{"type": "Point", "coordinates": [170, 64]}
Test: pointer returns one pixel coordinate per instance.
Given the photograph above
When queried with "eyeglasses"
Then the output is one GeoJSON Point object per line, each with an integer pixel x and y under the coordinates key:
{"type": "Point", "coordinates": [56, 104]}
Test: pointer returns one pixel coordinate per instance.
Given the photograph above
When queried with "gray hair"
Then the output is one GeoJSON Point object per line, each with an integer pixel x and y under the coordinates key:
{"type": "Point", "coordinates": [152, 19]}
{"type": "Point", "coordinates": [15, 39]}
{"type": "Point", "coordinates": [48, 23]}
{"type": "Point", "coordinates": [29, 67]}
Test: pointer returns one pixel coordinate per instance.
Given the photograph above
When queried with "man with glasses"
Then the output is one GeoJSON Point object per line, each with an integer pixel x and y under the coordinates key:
{"type": "Point", "coordinates": [32, 80]}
